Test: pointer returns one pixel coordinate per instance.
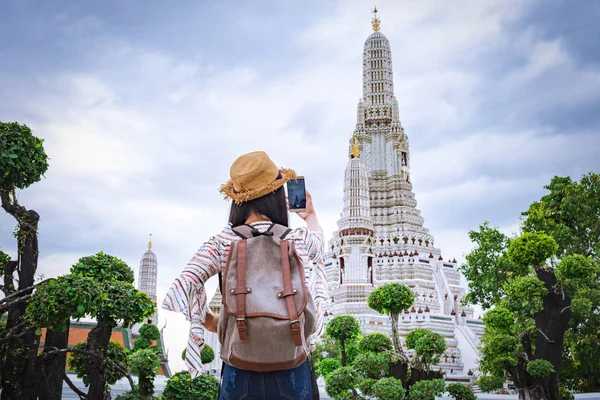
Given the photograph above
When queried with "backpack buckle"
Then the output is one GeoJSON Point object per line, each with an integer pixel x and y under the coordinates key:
{"type": "Point", "coordinates": [296, 332]}
{"type": "Point", "coordinates": [242, 328]}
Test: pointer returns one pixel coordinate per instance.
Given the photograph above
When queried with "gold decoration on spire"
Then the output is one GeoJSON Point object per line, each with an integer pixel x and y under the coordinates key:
{"type": "Point", "coordinates": [150, 243]}
{"type": "Point", "coordinates": [375, 22]}
{"type": "Point", "coordinates": [355, 148]}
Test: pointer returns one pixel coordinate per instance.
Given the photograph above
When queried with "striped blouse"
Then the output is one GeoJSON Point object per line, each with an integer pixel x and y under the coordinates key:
{"type": "Point", "coordinates": [188, 296]}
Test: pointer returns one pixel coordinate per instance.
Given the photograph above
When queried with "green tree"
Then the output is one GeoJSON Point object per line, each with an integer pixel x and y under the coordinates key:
{"type": "Point", "coordinates": [375, 342]}
{"type": "Point", "coordinates": [145, 363]}
{"type": "Point", "coordinates": [490, 383]}
{"type": "Point", "coordinates": [326, 349]}
{"type": "Point", "coordinates": [52, 305]}
{"type": "Point", "coordinates": [570, 213]}
{"type": "Point", "coordinates": [145, 359]}
{"type": "Point", "coordinates": [342, 383]}
{"type": "Point", "coordinates": [534, 295]}
{"type": "Point", "coordinates": [121, 304]}
{"type": "Point", "coordinates": [327, 365]}
{"type": "Point", "coordinates": [181, 386]}
{"type": "Point", "coordinates": [427, 390]}
{"type": "Point", "coordinates": [372, 365]}
{"type": "Point", "coordinates": [115, 354]}
{"type": "Point", "coordinates": [343, 329]}
{"type": "Point", "coordinates": [389, 389]}
{"type": "Point", "coordinates": [458, 391]}
{"type": "Point", "coordinates": [23, 162]}
{"type": "Point", "coordinates": [428, 346]}
{"type": "Point", "coordinates": [148, 334]}
{"type": "Point", "coordinates": [392, 299]}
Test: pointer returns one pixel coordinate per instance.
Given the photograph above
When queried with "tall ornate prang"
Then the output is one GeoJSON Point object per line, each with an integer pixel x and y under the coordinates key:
{"type": "Point", "coordinates": [381, 236]}
{"type": "Point", "coordinates": [147, 277]}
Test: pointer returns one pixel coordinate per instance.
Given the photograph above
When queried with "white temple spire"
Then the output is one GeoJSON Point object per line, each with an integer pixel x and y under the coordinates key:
{"type": "Point", "coordinates": [147, 278]}
{"type": "Point", "coordinates": [381, 235]}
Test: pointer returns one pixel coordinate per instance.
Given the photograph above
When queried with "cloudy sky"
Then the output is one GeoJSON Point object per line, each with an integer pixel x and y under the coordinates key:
{"type": "Point", "coordinates": [144, 105]}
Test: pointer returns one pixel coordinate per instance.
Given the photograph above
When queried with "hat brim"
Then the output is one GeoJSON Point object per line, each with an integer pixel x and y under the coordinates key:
{"type": "Point", "coordinates": [238, 198]}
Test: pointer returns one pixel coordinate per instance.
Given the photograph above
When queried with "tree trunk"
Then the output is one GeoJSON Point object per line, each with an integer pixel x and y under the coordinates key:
{"type": "Point", "coordinates": [19, 369]}
{"type": "Point", "coordinates": [146, 385]}
{"type": "Point", "coordinates": [395, 337]}
{"type": "Point", "coordinates": [417, 375]}
{"type": "Point", "coordinates": [551, 323]}
{"type": "Point", "coordinates": [53, 368]}
{"type": "Point", "coordinates": [399, 370]}
{"type": "Point", "coordinates": [98, 340]}
{"type": "Point", "coordinates": [532, 393]}
{"type": "Point", "coordinates": [343, 346]}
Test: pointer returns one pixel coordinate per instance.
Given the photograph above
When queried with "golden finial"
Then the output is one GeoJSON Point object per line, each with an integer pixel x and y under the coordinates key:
{"type": "Point", "coordinates": [150, 243]}
{"type": "Point", "coordinates": [355, 148]}
{"type": "Point", "coordinates": [375, 21]}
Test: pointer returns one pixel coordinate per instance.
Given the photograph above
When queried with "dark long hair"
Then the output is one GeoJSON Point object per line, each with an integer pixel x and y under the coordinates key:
{"type": "Point", "coordinates": [272, 206]}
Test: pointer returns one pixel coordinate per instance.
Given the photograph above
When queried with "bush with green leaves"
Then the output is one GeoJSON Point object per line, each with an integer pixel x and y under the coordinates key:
{"type": "Point", "coordinates": [428, 346]}
{"type": "Point", "coordinates": [458, 391]}
{"type": "Point", "coordinates": [565, 394]}
{"type": "Point", "coordinates": [539, 368]}
{"type": "Point", "coordinates": [148, 334]}
{"type": "Point", "coordinates": [134, 395]}
{"type": "Point", "coordinates": [145, 363]}
{"type": "Point", "coordinates": [116, 354]}
{"type": "Point", "coordinates": [207, 355]}
{"type": "Point", "coordinates": [392, 299]}
{"type": "Point", "coordinates": [372, 365]}
{"type": "Point", "coordinates": [375, 342]}
{"type": "Point", "coordinates": [427, 390]}
{"type": "Point", "coordinates": [103, 267]}
{"type": "Point", "coordinates": [344, 329]}
{"type": "Point", "coordinates": [342, 383]}
{"type": "Point", "coordinates": [365, 385]}
{"type": "Point", "coordinates": [490, 383]}
{"type": "Point", "coordinates": [23, 160]}
{"type": "Point", "coordinates": [4, 258]}
{"type": "Point", "coordinates": [327, 365]}
{"type": "Point", "coordinates": [56, 300]}
{"type": "Point", "coordinates": [182, 387]}
{"type": "Point", "coordinates": [145, 358]}
{"type": "Point", "coordinates": [388, 389]}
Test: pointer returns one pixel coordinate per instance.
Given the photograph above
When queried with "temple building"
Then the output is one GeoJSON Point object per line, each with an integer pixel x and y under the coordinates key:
{"type": "Point", "coordinates": [381, 235]}
{"type": "Point", "coordinates": [147, 278]}
{"type": "Point", "coordinates": [147, 282]}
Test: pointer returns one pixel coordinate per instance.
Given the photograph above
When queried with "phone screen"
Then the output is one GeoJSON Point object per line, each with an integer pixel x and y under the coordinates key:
{"type": "Point", "coordinates": [296, 193]}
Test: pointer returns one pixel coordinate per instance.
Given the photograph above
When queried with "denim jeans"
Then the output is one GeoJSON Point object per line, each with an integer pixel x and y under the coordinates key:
{"type": "Point", "coordinates": [291, 384]}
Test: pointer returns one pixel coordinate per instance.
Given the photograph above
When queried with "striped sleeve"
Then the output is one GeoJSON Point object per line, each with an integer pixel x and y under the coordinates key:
{"type": "Point", "coordinates": [311, 244]}
{"type": "Point", "coordinates": [187, 295]}
{"type": "Point", "coordinates": [311, 241]}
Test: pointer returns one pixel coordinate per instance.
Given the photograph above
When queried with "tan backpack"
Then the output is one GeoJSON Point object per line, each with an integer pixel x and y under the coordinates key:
{"type": "Point", "coordinates": [267, 314]}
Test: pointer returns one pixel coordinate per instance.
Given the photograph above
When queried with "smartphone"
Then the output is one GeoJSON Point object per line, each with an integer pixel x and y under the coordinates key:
{"type": "Point", "coordinates": [296, 194]}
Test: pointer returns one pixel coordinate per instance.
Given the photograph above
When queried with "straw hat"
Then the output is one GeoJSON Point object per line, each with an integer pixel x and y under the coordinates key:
{"type": "Point", "coordinates": [254, 175]}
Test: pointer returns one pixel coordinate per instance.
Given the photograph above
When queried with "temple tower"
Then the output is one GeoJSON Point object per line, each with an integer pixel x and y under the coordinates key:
{"type": "Point", "coordinates": [381, 236]}
{"type": "Point", "coordinates": [147, 276]}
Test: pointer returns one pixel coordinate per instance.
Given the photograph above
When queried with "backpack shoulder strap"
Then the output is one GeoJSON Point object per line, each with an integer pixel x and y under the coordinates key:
{"type": "Point", "coordinates": [280, 231]}
{"type": "Point", "coordinates": [243, 231]}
